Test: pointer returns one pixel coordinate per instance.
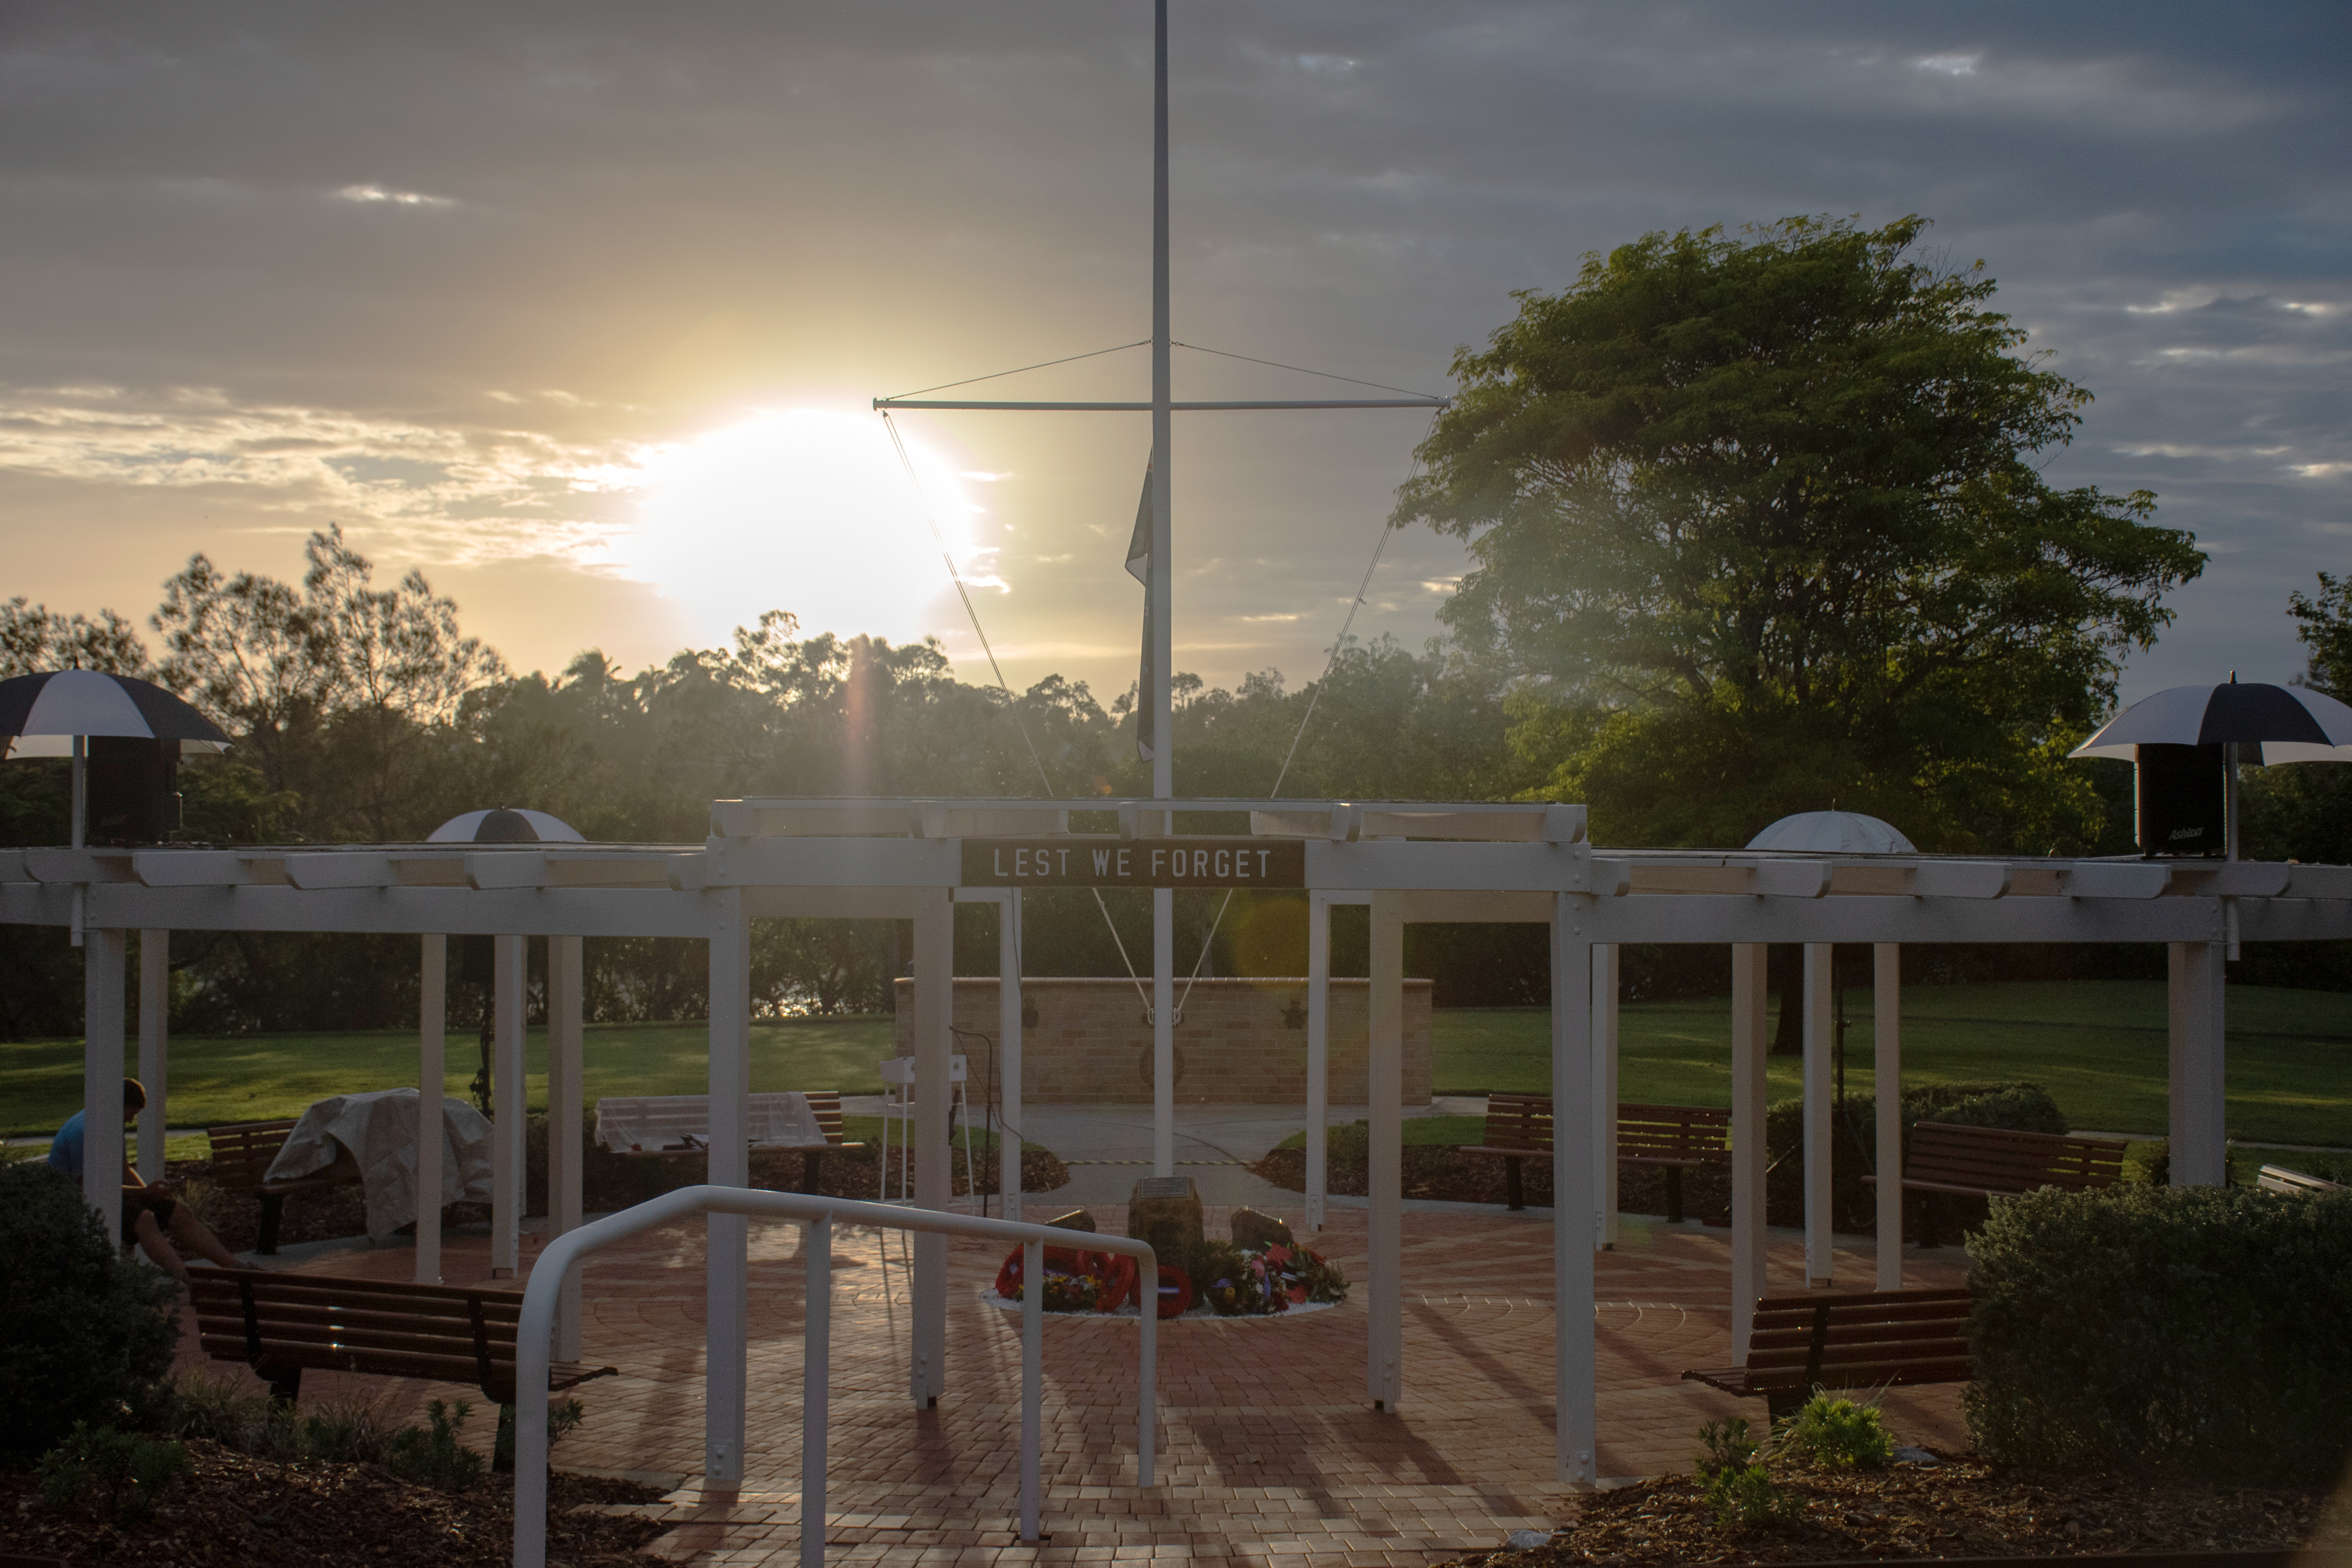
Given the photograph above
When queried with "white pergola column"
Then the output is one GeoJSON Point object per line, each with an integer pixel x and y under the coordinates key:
{"type": "Point", "coordinates": [1887, 1046]}
{"type": "Point", "coordinates": [154, 1046]}
{"type": "Point", "coordinates": [1821, 1026]}
{"type": "Point", "coordinates": [727, 1316]}
{"type": "Point", "coordinates": [1575, 1384]}
{"type": "Point", "coordinates": [565, 1110]}
{"type": "Point", "coordinates": [104, 956]}
{"type": "Point", "coordinates": [2196, 1060]}
{"type": "Point", "coordinates": [432, 1081]}
{"type": "Point", "coordinates": [1163, 1024]}
{"type": "Point", "coordinates": [1750, 1039]}
{"type": "Point", "coordinates": [1384, 1168]}
{"type": "Point", "coordinates": [1008, 1053]}
{"type": "Point", "coordinates": [509, 1097]}
{"type": "Point", "coordinates": [1318, 1055]}
{"type": "Point", "coordinates": [934, 1000]}
{"type": "Point", "coordinates": [1604, 1092]}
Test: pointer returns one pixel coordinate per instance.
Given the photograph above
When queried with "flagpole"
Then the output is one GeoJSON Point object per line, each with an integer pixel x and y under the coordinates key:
{"type": "Point", "coordinates": [1163, 748]}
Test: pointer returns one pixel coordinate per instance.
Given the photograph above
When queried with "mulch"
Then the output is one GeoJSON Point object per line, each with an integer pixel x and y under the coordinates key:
{"type": "Point", "coordinates": [1956, 1507]}
{"type": "Point", "coordinates": [1450, 1175]}
{"type": "Point", "coordinates": [237, 1511]}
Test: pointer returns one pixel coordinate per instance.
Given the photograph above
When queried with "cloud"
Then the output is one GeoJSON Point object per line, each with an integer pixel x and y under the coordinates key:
{"type": "Point", "coordinates": [369, 193]}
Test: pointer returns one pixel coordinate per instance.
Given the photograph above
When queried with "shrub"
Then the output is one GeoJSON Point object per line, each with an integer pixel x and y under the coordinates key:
{"type": "Point", "coordinates": [2196, 1330]}
{"type": "Point", "coordinates": [119, 1474]}
{"type": "Point", "coordinates": [229, 1410]}
{"type": "Point", "coordinates": [1853, 1146]}
{"type": "Point", "coordinates": [432, 1456]}
{"type": "Point", "coordinates": [1744, 1496]}
{"type": "Point", "coordinates": [561, 1418]}
{"type": "Point", "coordinates": [341, 1432]}
{"type": "Point", "coordinates": [1839, 1435]}
{"type": "Point", "coordinates": [1724, 1446]}
{"type": "Point", "coordinates": [84, 1333]}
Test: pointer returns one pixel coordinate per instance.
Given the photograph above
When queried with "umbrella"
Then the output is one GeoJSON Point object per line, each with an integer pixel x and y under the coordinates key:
{"type": "Point", "coordinates": [2290, 723]}
{"type": "Point", "coordinates": [53, 714]}
{"type": "Point", "coordinates": [505, 825]}
{"type": "Point", "coordinates": [1832, 833]}
{"type": "Point", "coordinates": [40, 714]}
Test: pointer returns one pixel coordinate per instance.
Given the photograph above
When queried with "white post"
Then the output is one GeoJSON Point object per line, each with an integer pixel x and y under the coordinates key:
{"type": "Point", "coordinates": [565, 1111]}
{"type": "Point", "coordinates": [104, 956]}
{"type": "Point", "coordinates": [1163, 1029]}
{"type": "Point", "coordinates": [81, 830]}
{"type": "Point", "coordinates": [1749, 1157]}
{"type": "Point", "coordinates": [1318, 1053]}
{"type": "Point", "coordinates": [2200, 1129]}
{"type": "Point", "coordinates": [1604, 1091]}
{"type": "Point", "coordinates": [1033, 1382]}
{"type": "Point", "coordinates": [509, 970]}
{"type": "Point", "coordinates": [1008, 1053]}
{"type": "Point", "coordinates": [1575, 1372]}
{"type": "Point", "coordinates": [1821, 1025]}
{"type": "Point", "coordinates": [934, 1001]}
{"type": "Point", "coordinates": [432, 1084]}
{"type": "Point", "coordinates": [1886, 1079]}
{"type": "Point", "coordinates": [1384, 1172]}
{"type": "Point", "coordinates": [816, 1386]}
{"type": "Point", "coordinates": [726, 1321]}
{"type": "Point", "coordinates": [154, 1047]}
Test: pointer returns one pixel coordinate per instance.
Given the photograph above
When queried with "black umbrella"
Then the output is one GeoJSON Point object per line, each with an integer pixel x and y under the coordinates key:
{"type": "Point", "coordinates": [2290, 723]}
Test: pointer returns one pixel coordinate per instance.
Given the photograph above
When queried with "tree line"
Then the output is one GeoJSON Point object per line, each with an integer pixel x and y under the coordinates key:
{"type": "Point", "coordinates": [1759, 525]}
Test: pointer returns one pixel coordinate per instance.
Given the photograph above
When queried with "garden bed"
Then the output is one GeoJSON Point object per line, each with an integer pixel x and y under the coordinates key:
{"type": "Point", "coordinates": [238, 1511]}
{"type": "Point", "coordinates": [1956, 1507]}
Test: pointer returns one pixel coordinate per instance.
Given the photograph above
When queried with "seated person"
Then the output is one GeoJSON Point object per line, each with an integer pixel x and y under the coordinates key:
{"type": "Point", "coordinates": [149, 1212]}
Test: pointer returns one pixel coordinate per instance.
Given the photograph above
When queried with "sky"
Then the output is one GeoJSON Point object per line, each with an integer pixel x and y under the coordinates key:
{"type": "Point", "coordinates": [580, 307]}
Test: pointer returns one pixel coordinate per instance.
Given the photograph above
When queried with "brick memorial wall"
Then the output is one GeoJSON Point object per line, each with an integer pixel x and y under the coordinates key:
{"type": "Point", "coordinates": [1239, 1042]}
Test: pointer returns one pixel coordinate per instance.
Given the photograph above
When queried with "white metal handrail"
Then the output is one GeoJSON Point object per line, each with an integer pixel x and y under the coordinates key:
{"type": "Point", "coordinates": [534, 1334]}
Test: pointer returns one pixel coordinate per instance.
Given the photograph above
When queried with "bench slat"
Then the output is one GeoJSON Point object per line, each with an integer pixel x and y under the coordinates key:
{"type": "Point", "coordinates": [1854, 1341]}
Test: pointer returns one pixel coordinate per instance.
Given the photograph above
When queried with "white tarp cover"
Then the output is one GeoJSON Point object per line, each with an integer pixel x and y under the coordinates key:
{"type": "Point", "coordinates": [380, 1130]}
{"type": "Point", "coordinates": [647, 1123]}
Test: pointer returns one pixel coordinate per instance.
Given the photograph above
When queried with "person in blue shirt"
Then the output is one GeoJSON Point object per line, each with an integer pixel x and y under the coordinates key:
{"type": "Point", "coordinates": [151, 1215]}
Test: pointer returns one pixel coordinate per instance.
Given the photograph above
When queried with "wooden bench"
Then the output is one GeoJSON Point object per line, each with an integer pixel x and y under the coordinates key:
{"type": "Point", "coordinates": [1799, 1343]}
{"type": "Point", "coordinates": [242, 1154]}
{"type": "Point", "coordinates": [2279, 1179]}
{"type": "Point", "coordinates": [1994, 1162]}
{"type": "Point", "coordinates": [1518, 1128]}
{"type": "Point", "coordinates": [679, 1124]}
{"type": "Point", "coordinates": [281, 1324]}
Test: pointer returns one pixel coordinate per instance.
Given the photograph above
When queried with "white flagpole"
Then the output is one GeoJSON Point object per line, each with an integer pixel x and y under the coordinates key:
{"type": "Point", "coordinates": [1163, 738]}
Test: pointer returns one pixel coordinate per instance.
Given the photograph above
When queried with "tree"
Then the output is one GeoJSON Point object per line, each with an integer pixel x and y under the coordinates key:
{"type": "Point", "coordinates": [1758, 531]}
{"type": "Point", "coordinates": [34, 639]}
{"type": "Point", "coordinates": [2303, 812]}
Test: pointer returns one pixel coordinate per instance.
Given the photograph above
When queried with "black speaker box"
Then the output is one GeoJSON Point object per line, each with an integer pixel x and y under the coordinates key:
{"type": "Point", "coordinates": [134, 789]}
{"type": "Point", "coordinates": [2182, 802]}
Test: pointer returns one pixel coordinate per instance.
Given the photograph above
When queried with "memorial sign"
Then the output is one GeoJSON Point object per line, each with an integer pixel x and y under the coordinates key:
{"type": "Point", "coordinates": [1135, 863]}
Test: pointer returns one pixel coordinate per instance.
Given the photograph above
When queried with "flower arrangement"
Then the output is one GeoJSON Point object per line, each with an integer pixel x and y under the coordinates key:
{"type": "Point", "coordinates": [1232, 1282]}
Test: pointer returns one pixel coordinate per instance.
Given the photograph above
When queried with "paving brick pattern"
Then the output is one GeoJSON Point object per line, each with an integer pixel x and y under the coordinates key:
{"type": "Point", "coordinates": [1269, 1452]}
{"type": "Point", "coordinates": [1239, 1042]}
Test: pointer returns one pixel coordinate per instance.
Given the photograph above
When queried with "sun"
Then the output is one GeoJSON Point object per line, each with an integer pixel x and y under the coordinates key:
{"type": "Point", "coordinates": [809, 510]}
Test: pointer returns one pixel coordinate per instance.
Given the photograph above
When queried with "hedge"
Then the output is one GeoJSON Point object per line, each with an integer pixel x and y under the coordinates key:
{"type": "Point", "coordinates": [2191, 1331]}
{"type": "Point", "coordinates": [84, 1333]}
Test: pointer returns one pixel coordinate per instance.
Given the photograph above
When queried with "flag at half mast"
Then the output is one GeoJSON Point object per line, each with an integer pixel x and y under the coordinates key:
{"type": "Point", "coordinates": [1139, 565]}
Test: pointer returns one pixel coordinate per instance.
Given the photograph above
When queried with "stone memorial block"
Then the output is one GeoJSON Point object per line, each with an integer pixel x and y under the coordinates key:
{"type": "Point", "coordinates": [1254, 1232]}
{"type": "Point", "coordinates": [1166, 1212]}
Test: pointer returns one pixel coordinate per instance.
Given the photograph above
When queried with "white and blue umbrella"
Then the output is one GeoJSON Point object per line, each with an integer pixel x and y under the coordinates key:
{"type": "Point", "coordinates": [41, 714]}
{"type": "Point", "coordinates": [1832, 833]}
{"type": "Point", "coordinates": [505, 825]}
{"type": "Point", "coordinates": [2289, 723]}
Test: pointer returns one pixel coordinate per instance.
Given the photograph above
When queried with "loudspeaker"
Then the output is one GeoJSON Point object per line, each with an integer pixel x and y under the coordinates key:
{"type": "Point", "coordinates": [2182, 800]}
{"type": "Point", "coordinates": [134, 789]}
{"type": "Point", "coordinates": [477, 961]}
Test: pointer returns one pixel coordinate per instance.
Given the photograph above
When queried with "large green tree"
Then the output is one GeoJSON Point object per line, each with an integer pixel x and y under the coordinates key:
{"type": "Point", "coordinates": [1760, 527]}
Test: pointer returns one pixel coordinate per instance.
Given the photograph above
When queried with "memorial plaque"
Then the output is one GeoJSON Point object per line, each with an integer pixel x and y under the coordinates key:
{"type": "Point", "coordinates": [1134, 863]}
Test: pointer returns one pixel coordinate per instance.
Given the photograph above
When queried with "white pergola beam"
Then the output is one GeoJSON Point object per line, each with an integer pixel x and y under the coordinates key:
{"type": "Point", "coordinates": [2196, 1060]}
{"type": "Point", "coordinates": [934, 1005]}
{"type": "Point", "coordinates": [1575, 1366]}
{"type": "Point", "coordinates": [1887, 1046]}
{"type": "Point", "coordinates": [432, 1081]}
{"type": "Point", "coordinates": [154, 1046]}
{"type": "Point", "coordinates": [1384, 1169]}
{"type": "Point", "coordinates": [105, 951]}
{"type": "Point", "coordinates": [1750, 1039]}
{"type": "Point", "coordinates": [1820, 1031]}
{"type": "Point", "coordinates": [727, 1262]}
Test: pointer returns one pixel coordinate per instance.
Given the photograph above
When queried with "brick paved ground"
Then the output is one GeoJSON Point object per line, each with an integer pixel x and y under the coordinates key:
{"type": "Point", "coordinates": [1269, 1453]}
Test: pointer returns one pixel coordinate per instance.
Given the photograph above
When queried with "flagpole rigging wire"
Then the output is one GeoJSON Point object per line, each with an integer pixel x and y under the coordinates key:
{"type": "Point", "coordinates": [923, 496]}
{"type": "Point", "coordinates": [1043, 365]}
{"type": "Point", "coordinates": [1303, 369]}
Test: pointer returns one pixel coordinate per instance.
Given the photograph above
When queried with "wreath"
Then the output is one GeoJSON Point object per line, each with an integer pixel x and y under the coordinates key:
{"type": "Point", "coordinates": [1232, 1282]}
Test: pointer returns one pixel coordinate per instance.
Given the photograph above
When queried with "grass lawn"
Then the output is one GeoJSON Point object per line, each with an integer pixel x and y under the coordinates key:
{"type": "Point", "coordinates": [260, 1076]}
{"type": "Point", "coordinates": [2098, 1046]}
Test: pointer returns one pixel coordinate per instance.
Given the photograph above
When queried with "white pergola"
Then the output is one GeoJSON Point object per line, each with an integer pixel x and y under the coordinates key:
{"type": "Point", "coordinates": [914, 859]}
